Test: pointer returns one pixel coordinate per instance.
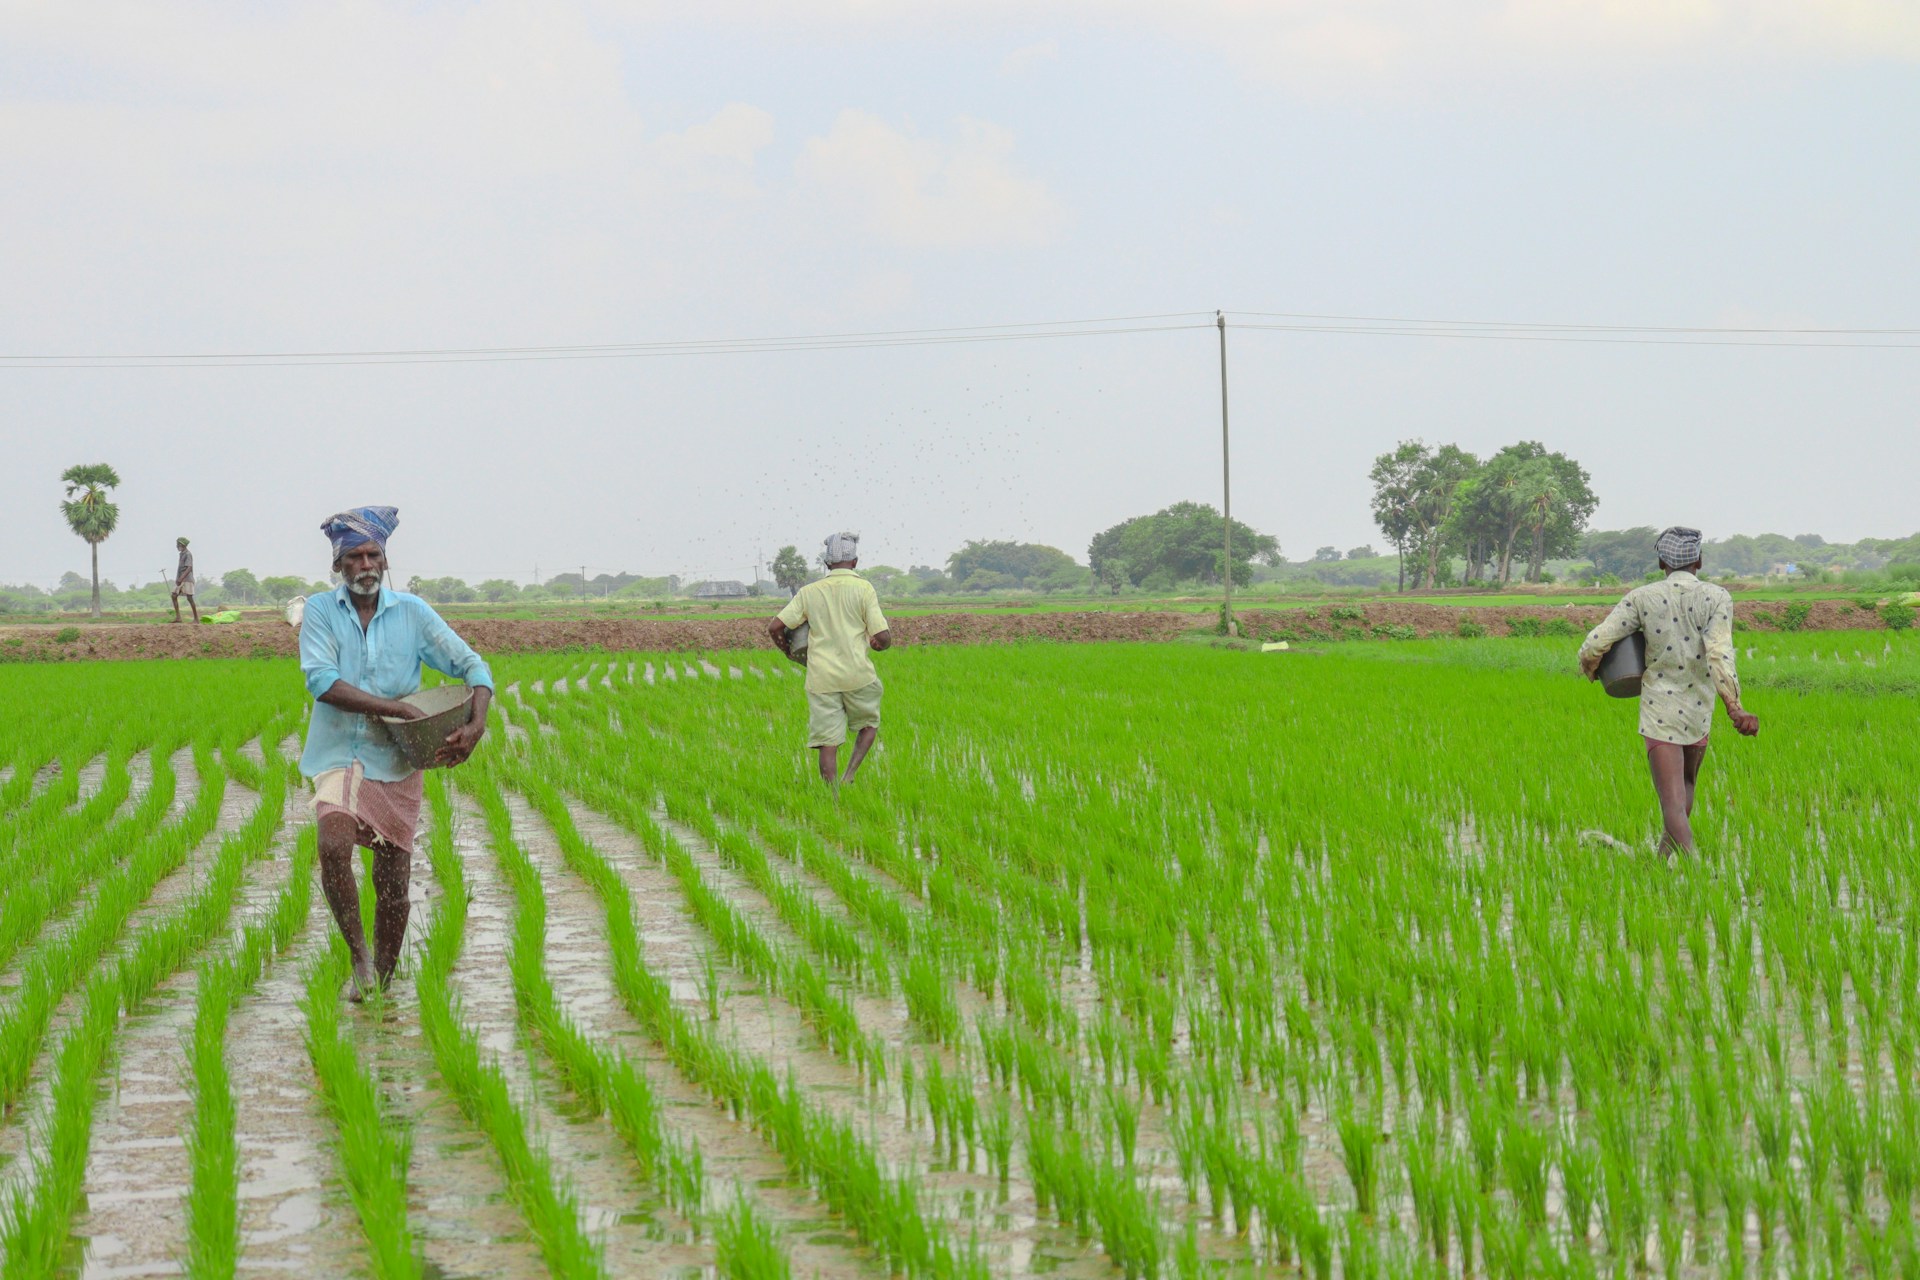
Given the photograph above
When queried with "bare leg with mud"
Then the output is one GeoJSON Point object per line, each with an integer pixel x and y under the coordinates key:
{"type": "Point", "coordinates": [829, 764]}
{"type": "Point", "coordinates": [1676, 770]}
{"type": "Point", "coordinates": [391, 868]}
{"type": "Point", "coordinates": [862, 743]}
{"type": "Point", "coordinates": [337, 841]}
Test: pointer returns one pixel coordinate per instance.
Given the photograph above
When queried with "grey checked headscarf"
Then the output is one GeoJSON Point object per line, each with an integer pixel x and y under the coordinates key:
{"type": "Point", "coordinates": [843, 546]}
{"type": "Point", "coordinates": [1679, 546]}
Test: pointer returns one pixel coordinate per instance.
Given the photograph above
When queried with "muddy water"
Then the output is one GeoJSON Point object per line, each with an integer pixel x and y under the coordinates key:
{"type": "Point", "coordinates": [614, 1204]}
{"type": "Point", "coordinates": [31, 1113]}
{"type": "Point", "coordinates": [731, 1153]}
{"type": "Point", "coordinates": [137, 1165]}
{"type": "Point", "coordinates": [93, 774]}
{"type": "Point", "coordinates": [766, 1026]}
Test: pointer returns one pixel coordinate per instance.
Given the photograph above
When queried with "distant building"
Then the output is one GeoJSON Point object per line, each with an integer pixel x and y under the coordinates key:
{"type": "Point", "coordinates": [723, 590]}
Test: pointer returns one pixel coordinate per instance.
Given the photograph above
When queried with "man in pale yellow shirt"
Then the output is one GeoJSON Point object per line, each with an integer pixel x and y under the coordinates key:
{"type": "Point", "coordinates": [843, 619]}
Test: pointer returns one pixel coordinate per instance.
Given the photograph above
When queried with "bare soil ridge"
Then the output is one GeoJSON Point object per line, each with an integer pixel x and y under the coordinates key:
{"type": "Point", "coordinates": [268, 637]}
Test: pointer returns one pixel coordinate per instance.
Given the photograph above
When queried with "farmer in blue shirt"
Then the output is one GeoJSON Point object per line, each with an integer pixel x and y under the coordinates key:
{"type": "Point", "coordinates": [360, 650]}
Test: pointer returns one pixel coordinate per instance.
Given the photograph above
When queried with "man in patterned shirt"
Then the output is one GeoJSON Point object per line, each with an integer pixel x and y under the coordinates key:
{"type": "Point", "coordinates": [1688, 625]}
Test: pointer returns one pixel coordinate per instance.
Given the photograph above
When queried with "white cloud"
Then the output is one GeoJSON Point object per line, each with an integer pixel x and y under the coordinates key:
{"type": "Point", "coordinates": [926, 193]}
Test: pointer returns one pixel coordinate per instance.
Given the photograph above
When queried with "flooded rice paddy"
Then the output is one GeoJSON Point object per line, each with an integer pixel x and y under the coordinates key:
{"type": "Point", "coordinates": [1113, 961]}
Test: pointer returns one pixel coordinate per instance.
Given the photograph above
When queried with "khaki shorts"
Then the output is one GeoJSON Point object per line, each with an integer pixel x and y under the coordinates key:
{"type": "Point", "coordinates": [830, 715]}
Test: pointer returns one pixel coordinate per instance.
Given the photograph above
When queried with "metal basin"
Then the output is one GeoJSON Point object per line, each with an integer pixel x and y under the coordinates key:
{"type": "Point", "coordinates": [1622, 667]}
{"type": "Point", "coordinates": [797, 644]}
{"type": "Point", "coordinates": [448, 706]}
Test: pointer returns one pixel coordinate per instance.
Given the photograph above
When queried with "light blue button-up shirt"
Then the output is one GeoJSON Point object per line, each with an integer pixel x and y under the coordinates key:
{"type": "Point", "coordinates": [384, 660]}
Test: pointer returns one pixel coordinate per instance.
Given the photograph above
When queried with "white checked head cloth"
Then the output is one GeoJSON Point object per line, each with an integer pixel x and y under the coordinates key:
{"type": "Point", "coordinates": [843, 546]}
{"type": "Point", "coordinates": [1679, 545]}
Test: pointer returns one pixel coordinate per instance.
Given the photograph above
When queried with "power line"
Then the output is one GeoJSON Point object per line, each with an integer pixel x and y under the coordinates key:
{"type": "Point", "coordinates": [1084, 328]}
{"type": "Point", "coordinates": [1094, 327]}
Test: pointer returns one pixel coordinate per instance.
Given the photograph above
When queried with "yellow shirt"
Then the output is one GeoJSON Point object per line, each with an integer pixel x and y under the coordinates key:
{"type": "Point", "coordinates": [1689, 628]}
{"type": "Point", "coordinates": [841, 610]}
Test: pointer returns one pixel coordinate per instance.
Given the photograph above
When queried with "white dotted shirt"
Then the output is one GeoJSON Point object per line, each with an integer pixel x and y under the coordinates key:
{"type": "Point", "coordinates": [1689, 629]}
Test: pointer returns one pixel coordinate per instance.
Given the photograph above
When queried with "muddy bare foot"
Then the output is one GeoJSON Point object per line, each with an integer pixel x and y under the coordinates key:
{"type": "Point", "coordinates": [362, 983]}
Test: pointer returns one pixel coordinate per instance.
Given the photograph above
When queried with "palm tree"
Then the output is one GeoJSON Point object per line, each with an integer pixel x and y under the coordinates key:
{"type": "Point", "coordinates": [90, 515]}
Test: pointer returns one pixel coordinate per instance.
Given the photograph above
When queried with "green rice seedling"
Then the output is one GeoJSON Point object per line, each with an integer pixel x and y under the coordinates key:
{"type": "Point", "coordinates": [996, 1129]}
{"type": "Point", "coordinates": [1483, 1139]}
{"type": "Point", "coordinates": [1360, 1156]}
{"type": "Point", "coordinates": [1359, 1253]}
{"type": "Point", "coordinates": [747, 1247]}
{"type": "Point", "coordinates": [1429, 1184]}
{"type": "Point", "coordinates": [1672, 1231]}
{"type": "Point", "coordinates": [1123, 1117]}
{"type": "Point", "coordinates": [1581, 1183]}
{"type": "Point", "coordinates": [1526, 1154]}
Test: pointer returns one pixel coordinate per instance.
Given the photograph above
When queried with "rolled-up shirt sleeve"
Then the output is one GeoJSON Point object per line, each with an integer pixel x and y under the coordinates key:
{"type": "Point", "coordinates": [794, 614]}
{"type": "Point", "coordinates": [1617, 626]}
{"type": "Point", "coordinates": [1720, 656]}
{"type": "Point", "coordinates": [876, 620]}
{"type": "Point", "coordinates": [319, 653]}
{"type": "Point", "coordinates": [442, 649]}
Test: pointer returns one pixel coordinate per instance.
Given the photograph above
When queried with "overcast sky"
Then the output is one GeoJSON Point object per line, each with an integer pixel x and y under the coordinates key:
{"type": "Point", "coordinates": [366, 176]}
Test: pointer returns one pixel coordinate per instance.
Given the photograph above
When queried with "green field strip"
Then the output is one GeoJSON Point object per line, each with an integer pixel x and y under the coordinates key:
{"type": "Point", "coordinates": [744, 1159]}
{"type": "Point", "coordinates": [882, 1208]}
{"type": "Point", "coordinates": [601, 1078]}
{"type": "Point", "coordinates": [1079, 1185]}
{"type": "Point", "coordinates": [477, 1083]}
{"type": "Point", "coordinates": [62, 964]}
{"type": "Point", "coordinates": [213, 1197]}
{"type": "Point", "coordinates": [374, 1145]}
{"type": "Point", "coordinates": [51, 881]}
{"type": "Point", "coordinates": [36, 1220]}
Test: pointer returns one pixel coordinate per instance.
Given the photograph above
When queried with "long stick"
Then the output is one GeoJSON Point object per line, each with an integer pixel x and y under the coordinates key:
{"type": "Point", "coordinates": [1226, 475]}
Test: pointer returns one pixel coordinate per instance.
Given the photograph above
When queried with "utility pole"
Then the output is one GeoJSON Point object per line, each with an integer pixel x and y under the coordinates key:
{"type": "Point", "coordinates": [1226, 477]}
{"type": "Point", "coordinates": [583, 582]}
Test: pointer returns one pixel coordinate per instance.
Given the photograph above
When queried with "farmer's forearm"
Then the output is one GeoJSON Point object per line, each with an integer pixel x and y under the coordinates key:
{"type": "Point", "coordinates": [348, 698]}
{"type": "Point", "coordinates": [482, 699]}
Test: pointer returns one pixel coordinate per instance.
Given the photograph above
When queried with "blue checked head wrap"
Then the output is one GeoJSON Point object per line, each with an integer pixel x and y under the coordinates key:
{"type": "Point", "coordinates": [349, 529]}
{"type": "Point", "coordinates": [1679, 546]}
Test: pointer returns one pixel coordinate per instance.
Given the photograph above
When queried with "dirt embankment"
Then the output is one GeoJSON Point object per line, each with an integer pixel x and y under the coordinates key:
{"type": "Point", "coordinates": [266, 636]}
{"type": "Point", "coordinates": [1334, 621]}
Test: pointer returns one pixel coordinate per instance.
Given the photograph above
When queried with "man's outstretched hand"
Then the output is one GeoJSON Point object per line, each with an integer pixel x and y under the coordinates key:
{"type": "Point", "coordinates": [461, 742]}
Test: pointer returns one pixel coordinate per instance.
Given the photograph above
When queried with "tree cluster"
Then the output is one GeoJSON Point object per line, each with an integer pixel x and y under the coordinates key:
{"type": "Point", "coordinates": [1523, 504]}
{"type": "Point", "coordinates": [1185, 542]}
{"type": "Point", "coordinates": [1013, 566]}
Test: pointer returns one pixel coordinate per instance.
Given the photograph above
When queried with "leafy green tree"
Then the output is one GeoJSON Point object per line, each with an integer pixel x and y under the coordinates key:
{"type": "Point", "coordinates": [1627, 554]}
{"type": "Point", "coordinates": [789, 569]}
{"type": "Point", "coordinates": [1016, 564]}
{"type": "Point", "coordinates": [90, 515]}
{"type": "Point", "coordinates": [241, 585]}
{"type": "Point", "coordinates": [1326, 555]}
{"type": "Point", "coordinates": [1180, 543]}
{"type": "Point", "coordinates": [284, 588]}
{"type": "Point", "coordinates": [498, 590]}
{"type": "Point", "coordinates": [1361, 553]}
{"type": "Point", "coordinates": [1415, 490]}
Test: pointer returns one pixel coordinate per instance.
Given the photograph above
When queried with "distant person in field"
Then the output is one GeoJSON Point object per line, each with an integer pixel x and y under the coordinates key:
{"type": "Point", "coordinates": [842, 613]}
{"type": "Point", "coordinates": [183, 581]}
{"type": "Point", "coordinates": [361, 647]}
{"type": "Point", "coordinates": [1688, 626]}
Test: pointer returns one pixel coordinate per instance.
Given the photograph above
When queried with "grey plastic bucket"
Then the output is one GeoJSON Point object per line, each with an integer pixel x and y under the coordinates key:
{"type": "Point", "coordinates": [797, 644]}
